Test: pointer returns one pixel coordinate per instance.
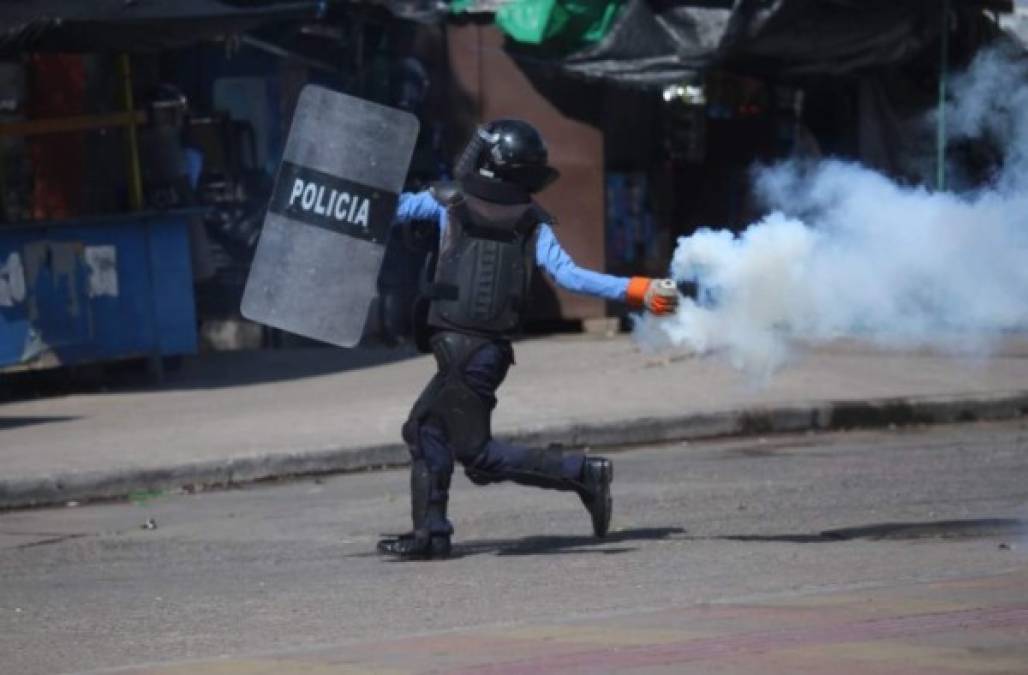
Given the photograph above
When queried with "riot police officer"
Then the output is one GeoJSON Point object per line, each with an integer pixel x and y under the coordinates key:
{"type": "Point", "coordinates": [492, 235]}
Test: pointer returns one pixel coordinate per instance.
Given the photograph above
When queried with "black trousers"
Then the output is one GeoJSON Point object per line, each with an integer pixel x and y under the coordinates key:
{"type": "Point", "coordinates": [434, 419]}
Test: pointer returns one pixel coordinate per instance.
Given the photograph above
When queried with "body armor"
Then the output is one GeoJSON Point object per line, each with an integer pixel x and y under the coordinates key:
{"type": "Point", "coordinates": [484, 272]}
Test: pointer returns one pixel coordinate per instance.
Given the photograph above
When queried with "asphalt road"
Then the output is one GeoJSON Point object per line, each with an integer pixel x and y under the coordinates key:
{"type": "Point", "coordinates": [228, 578]}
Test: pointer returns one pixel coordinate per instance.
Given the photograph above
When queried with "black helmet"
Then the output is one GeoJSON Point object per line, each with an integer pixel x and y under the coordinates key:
{"type": "Point", "coordinates": [511, 150]}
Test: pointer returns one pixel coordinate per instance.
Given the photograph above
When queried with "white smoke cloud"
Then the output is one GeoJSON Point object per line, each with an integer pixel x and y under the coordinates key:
{"type": "Point", "coordinates": [846, 252]}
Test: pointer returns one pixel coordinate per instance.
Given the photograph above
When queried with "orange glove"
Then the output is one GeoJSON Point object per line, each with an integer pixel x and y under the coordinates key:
{"type": "Point", "coordinates": [658, 296]}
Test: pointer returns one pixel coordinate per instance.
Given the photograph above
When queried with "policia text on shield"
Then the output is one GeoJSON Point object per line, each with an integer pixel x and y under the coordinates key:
{"type": "Point", "coordinates": [309, 196]}
{"type": "Point", "coordinates": [491, 236]}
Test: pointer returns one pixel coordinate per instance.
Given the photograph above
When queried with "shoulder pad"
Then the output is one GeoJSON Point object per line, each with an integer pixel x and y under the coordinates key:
{"type": "Point", "coordinates": [445, 193]}
{"type": "Point", "coordinates": [544, 216]}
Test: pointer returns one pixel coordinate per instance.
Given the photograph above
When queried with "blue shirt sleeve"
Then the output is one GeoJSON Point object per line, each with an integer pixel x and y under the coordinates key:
{"type": "Point", "coordinates": [419, 206]}
{"type": "Point", "coordinates": [550, 256]}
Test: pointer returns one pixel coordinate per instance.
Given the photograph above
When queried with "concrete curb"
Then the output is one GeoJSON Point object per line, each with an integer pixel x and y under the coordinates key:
{"type": "Point", "coordinates": [59, 488]}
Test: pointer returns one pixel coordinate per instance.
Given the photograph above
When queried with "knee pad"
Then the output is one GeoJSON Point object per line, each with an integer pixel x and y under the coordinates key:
{"type": "Point", "coordinates": [422, 407]}
{"type": "Point", "coordinates": [465, 417]}
{"type": "Point", "coordinates": [459, 411]}
{"type": "Point", "coordinates": [409, 431]}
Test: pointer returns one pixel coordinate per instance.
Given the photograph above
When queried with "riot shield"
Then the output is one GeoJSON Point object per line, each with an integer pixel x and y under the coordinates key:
{"type": "Point", "coordinates": [328, 219]}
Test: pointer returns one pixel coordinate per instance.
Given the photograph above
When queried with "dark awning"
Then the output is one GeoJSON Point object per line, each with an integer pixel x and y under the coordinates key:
{"type": "Point", "coordinates": [133, 25]}
{"type": "Point", "coordinates": [654, 42]}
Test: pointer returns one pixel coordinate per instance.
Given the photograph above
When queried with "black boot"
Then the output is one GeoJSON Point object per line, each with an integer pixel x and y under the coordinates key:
{"type": "Point", "coordinates": [430, 538]}
{"type": "Point", "coordinates": [545, 468]}
{"type": "Point", "coordinates": [416, 545]}
{"type": "Point", "coordinates": [597, 473]}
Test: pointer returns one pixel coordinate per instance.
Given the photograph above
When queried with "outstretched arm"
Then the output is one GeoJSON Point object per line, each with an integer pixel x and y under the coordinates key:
{"type": "Point", "coordinates": [636, 291]}
{"type": "Point", "coordinates": [552, 257]}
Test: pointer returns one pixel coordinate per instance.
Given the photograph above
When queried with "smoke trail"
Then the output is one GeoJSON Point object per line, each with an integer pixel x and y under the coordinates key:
{"type": "Point", "coordinates": [846, 251]}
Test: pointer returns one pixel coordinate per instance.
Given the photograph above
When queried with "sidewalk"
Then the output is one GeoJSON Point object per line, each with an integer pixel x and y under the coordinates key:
{"type": "Point", "coordinates": [247, 416]}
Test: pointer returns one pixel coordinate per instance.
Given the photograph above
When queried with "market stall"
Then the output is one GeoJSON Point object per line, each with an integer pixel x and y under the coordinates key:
{"type": "Point", "coordinates": [98, 215]}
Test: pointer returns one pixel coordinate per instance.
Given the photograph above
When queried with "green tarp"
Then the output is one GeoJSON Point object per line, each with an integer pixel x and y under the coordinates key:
{"type": "Point", "coordinates": [563, 22]}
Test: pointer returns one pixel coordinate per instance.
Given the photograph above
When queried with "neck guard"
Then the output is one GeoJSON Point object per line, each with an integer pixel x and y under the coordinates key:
{"type": "Point", "coordinates": [490, 189]}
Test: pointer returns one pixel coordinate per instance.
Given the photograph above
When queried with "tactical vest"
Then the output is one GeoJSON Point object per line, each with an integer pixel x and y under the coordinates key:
{"type": "Point", "coordinates": [484, 273]}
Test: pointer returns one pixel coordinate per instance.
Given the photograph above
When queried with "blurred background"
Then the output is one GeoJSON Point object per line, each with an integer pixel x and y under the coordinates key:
{"type": "Point", "coordinates": [140, 139]}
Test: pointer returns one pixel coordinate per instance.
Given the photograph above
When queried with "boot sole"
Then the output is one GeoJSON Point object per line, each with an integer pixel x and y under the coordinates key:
{"type": "Point", "coordinates": [601, 529]}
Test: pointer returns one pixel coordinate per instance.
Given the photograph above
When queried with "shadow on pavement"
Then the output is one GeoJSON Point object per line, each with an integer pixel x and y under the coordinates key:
{"type": "Point", "coordinates": [15, 422]}
{"type": "Point", "coordinates": [555, 544]}
{"type": "Point", "coordinates": [942, 529]}
{"type": "Point", "coordinates": [548, 544]}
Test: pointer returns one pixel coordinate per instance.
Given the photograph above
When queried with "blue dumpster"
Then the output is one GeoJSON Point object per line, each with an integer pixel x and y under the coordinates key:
{"type": "Point", "coordinates": [96, 289]}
